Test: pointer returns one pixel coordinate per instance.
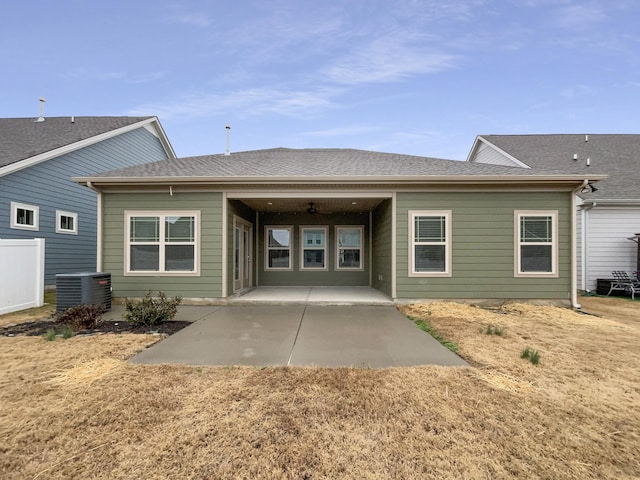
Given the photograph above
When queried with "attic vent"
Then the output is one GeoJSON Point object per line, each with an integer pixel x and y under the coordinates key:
{"type": "Point", "coordinates": [41, 117]}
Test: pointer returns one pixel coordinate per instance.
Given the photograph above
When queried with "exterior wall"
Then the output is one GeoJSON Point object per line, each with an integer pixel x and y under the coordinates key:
{"type": "Point", "coordinates": [48, 186]}
{"type": "Point", "coordinates": [207, 285]}
{"type": "Point", "coordinates": [487, 154]}
{"type": "Point", "coordinates": [235, 207]}
{"type": "Point", "coordinates": [381, 247]}
{"type": "Point", "coordinates": [483, 246]}
{"type": "Point", "coordinates": [607, 244]}
{"type": "Point", "coordinates": [296, 277]}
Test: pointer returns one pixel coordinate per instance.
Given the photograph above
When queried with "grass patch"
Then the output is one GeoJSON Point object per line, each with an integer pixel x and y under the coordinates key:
{"type": "Point", "coordinates": [50, 336]}
{"type": "Point", "coordinates": [493, 330]}
{"type": "Point", "coordinates": [430, 329]}
{"type": "Point", "coordinates": [532, 355]}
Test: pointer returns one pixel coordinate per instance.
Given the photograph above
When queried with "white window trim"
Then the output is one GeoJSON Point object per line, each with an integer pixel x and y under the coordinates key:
{"type": "Point", "coordinates": [337, 236]}
{"type": "Point", "coordinates": [517, 214]}
{"type": "Point", "coordinates": [59, 215]}
{"type": "Point", "coordinates": [325, 248]}
{"type": "Point", "coordinates": [267, 248]}
{"type": "Point", "coordinates": [447, 244]}
{"type": "Point", "coordinates": [36, 216]}
{"type": "Point", "coordinates": [162, 214]}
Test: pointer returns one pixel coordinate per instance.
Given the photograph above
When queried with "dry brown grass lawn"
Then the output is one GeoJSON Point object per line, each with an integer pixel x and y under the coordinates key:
{"type": "Point", "coordinates": [76, 409]}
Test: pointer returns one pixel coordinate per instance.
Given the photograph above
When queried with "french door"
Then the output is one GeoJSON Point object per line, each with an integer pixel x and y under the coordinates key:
{"type": "Point", "coordinates": [242, 254]}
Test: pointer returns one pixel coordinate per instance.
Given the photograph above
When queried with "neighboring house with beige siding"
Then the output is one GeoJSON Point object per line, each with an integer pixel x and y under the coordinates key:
{"type": "Point", "coordinates": [607, 216]}
{"type": "Point", "coordinates": [211, 227]}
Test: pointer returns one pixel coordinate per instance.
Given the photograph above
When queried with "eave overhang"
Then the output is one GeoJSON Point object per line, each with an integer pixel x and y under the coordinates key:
{"type": "Point", "coordinates": [413, 180]}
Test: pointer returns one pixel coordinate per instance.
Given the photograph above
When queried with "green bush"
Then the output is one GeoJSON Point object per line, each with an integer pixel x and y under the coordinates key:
{"type": "Point", "coordinates": [532, 355]}
{"type": "Point", "coordinates": [150, 310]}
{"type": "Point", "coordinates": [81, 317]}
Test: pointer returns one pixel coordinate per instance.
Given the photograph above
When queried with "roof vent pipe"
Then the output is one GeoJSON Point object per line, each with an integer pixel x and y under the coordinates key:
{"type": "Point", "coordinates": [586, 138]}
{"type": "Point", "coordinates": [41, 117]}
{"type": "Point", "coordinates": [575, 156]}
{"type": "Point", "coordinates": [227, 152]}
{"type": "Point", "coordinates": [588, 162]}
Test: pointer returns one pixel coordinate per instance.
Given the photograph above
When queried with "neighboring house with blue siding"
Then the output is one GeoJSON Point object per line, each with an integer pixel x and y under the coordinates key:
{"type": "Point", "coordinates": [38, 199]}
{"type": "Point", "coordinates": [211, 227]}
{"type": "Point", "coordinates": [607, 217]}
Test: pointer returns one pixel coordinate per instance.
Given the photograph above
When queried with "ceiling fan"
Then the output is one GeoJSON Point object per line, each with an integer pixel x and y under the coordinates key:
{"type": "Point", "coordinates": [311, 210]}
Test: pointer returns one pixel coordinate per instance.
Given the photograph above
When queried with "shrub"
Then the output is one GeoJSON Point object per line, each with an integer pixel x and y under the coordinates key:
{"type": "Point", "coordinates": [81, 317]}
{"type": "Point", "coordinates": [50, 336]}
{"type": "Point", "coordinates": [151, 311]}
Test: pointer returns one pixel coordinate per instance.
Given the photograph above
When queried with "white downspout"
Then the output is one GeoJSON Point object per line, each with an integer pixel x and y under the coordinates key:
{"type": "Point", "coordinates": [98, 226]}
{"type": "Point", "coordinates": [585, 242]}
{"type": "Point", "coordinates": [574, 245]}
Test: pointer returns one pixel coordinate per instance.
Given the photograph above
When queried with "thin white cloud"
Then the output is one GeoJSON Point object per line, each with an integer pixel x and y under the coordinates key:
{"type": "Point", "coordinates": [578, 91]}
{"type": "Point", "coordinates": [343, 131]}
{"type": "Point", "coordinates": [178, 14]}
{"type": "Point", "coordinates": [244, 103]}
{"type": "Point", "coordinates": [389, 59]}
{"type": "Point", "coordinates": [89, 75]}
{"type": "Point", "coordinates": [579, 16]}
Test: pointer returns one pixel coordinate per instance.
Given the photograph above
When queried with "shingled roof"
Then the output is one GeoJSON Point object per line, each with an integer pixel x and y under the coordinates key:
{"type": "Point", "coordinates": [286, 163]}
{"type": "Point", "coordinates": [23, 138]}
{"type": "Point", "coordinates": [616, 155]}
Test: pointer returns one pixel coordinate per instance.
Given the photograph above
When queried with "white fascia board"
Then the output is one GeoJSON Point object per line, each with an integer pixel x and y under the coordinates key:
{"type": "Point", "coordinates": [43, 157]}
{"type": "Point", "coordinates": [162, 136]}
{"type": "Point", "coordinates": [628, 202]}
{"type": "Point", "coordinates": [370, 180]}
{"type": "Point", "coordinates": [476, 144]}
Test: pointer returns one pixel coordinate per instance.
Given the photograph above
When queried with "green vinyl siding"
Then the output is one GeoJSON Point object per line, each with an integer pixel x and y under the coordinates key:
{"type": "Point", "coordinates": [308, 278]}
{"type": "Point", "coordinates": [381, 247]}
{"type": "Point", "coordinates": [483, 254]}
{"type": "Point", "coordinates": [209, 282]}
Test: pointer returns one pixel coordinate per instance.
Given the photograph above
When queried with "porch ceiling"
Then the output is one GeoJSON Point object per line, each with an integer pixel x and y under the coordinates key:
{"type": "Point", "coordinates": [322, 205]}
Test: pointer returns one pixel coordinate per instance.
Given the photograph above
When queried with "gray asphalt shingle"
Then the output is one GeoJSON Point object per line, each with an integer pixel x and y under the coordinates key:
{"type": "Point", "coordinates": [615, 155]}
{"type": "Point", "coordinates": [327, 162]}
{"type": "Point", "coordinates": [22, 138]}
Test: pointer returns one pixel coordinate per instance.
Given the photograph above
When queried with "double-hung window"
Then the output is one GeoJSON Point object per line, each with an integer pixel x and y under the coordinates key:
{"type": "Point", "coordinates": [278, 247]}
{"type": "Point", "coordinates": [536, 243]}
{"type": "Point", "coordinates": [313, 248]}
{"type": "Point", "coordinates": [162, 243]}
{"type": "Point", "coordinates": [429, 243]}
{"type": "Point", "coordinates": [66, 222]}
{"type": "Point", "coordinates": [24, 217]}
{"type": "Point", "coordinates": [349, 248]}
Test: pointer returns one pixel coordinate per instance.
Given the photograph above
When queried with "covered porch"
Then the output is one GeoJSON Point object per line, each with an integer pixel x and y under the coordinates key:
{"type": "Point", "coordinates": [332, 247]}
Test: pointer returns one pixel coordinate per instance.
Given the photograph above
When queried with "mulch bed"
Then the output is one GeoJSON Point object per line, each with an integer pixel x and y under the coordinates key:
{"type": "Point", "coordinates": [41, 327]}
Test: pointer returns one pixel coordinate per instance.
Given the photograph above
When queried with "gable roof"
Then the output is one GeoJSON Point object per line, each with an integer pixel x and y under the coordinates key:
{"type": "Point", "coordinates": [616, 155]}
{"type": "Point", "coordinates": [328, 165]}
{"type": "Point", "coordinates": [29, 141]}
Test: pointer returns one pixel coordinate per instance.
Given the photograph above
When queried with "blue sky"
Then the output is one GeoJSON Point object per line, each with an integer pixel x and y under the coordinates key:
{"type": "Point", "coordinates": [420, 77]}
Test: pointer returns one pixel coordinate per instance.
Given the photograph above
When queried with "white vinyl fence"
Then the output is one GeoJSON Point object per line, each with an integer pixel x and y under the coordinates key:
{"type": "Point", "coordinates": [21, 274]}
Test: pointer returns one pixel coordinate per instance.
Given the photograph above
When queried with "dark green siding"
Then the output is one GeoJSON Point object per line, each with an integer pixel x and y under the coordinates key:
{"type": "Point", "coordinates": [207, 285]}
{"type": "Point", "coordinates": [381, 247]}
{"type": "Point", "coordinates": [483, 246]}
{"type": "Point", "coordinates": [313, 278]}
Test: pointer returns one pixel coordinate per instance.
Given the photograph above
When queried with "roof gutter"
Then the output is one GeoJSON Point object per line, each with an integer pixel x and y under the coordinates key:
{"type": "Point", "coordinates": [333, 180]}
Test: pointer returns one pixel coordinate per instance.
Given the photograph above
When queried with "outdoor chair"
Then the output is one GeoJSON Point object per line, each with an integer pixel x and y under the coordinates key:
{"type": "Point", "coordinates": [622, 281]}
